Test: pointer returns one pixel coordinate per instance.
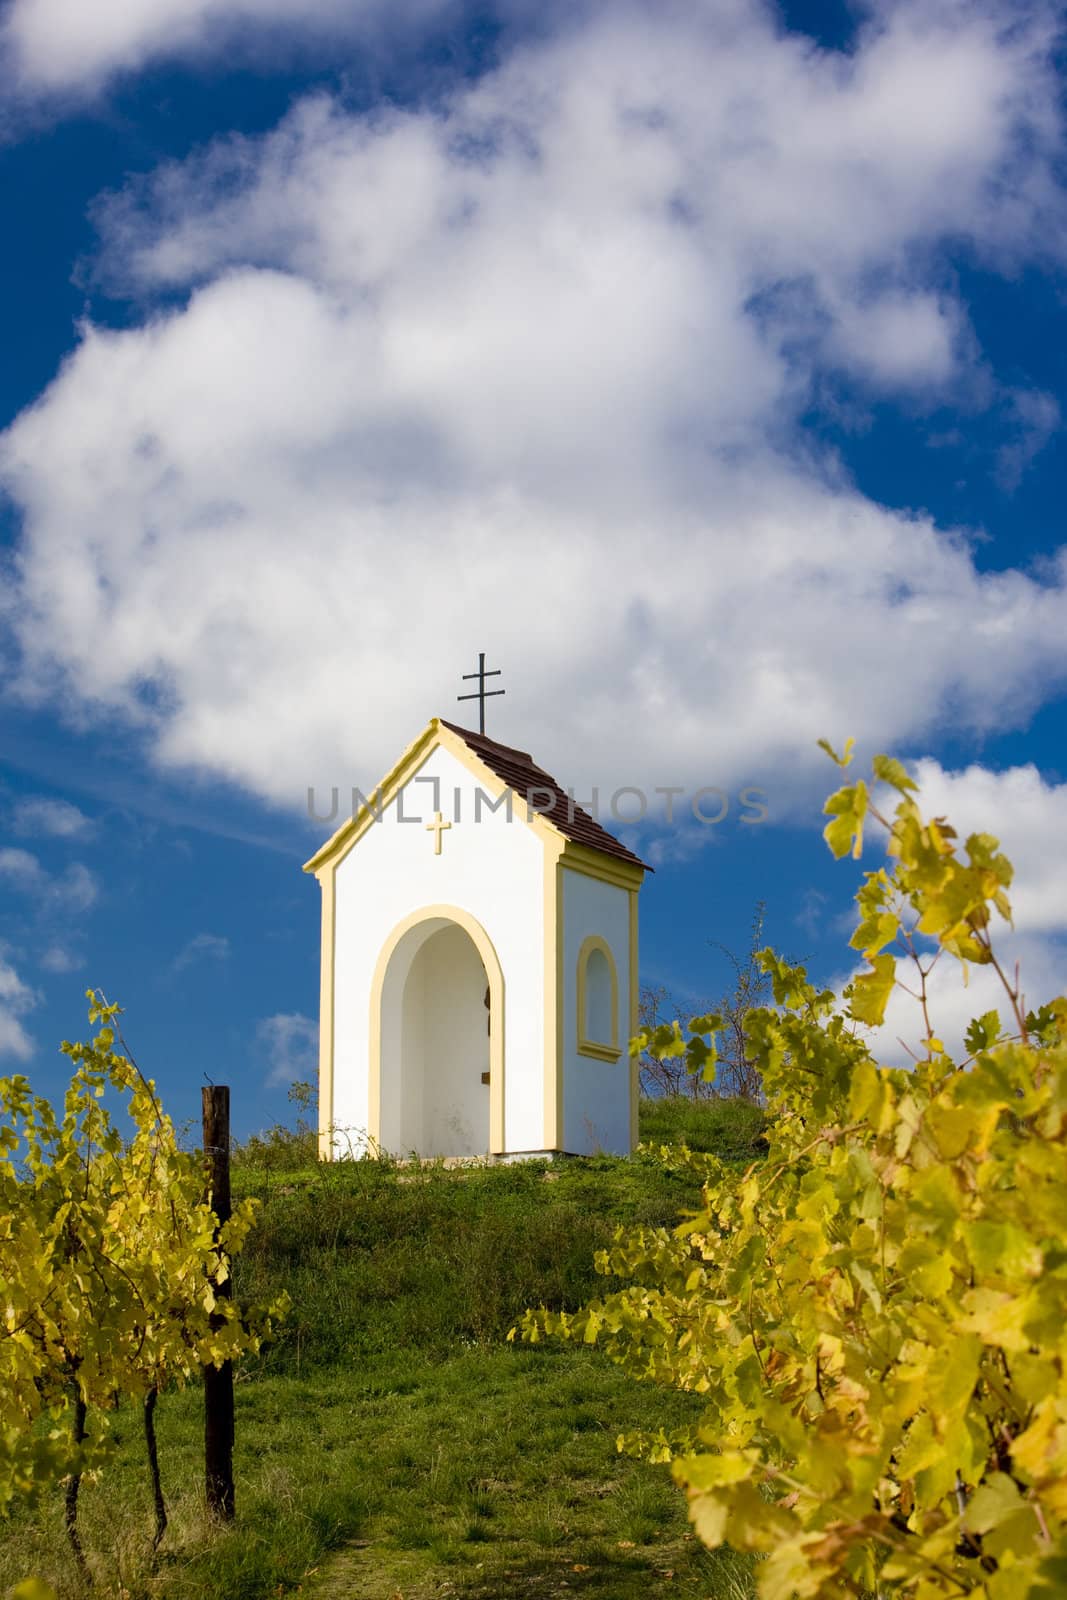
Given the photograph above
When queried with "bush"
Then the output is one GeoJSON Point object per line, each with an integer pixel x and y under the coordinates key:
{"type": "Point", "coordinates": [875, 1313]}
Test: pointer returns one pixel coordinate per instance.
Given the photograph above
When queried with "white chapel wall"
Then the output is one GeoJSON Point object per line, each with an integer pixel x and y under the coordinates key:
{"type": "Point", "coordinates": [596, 1094]}
{"type": "Point", "coordinates": [494, 870]}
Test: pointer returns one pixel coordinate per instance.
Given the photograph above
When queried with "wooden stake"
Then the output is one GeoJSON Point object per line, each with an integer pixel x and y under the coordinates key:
{"type": "Point", "coordinates": [218, 1381]}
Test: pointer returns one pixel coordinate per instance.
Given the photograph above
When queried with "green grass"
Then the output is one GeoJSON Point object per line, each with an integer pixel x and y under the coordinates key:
{"type": "Point", "coordinates": [732, 1129]}
{"type": "Point", "coordinates": [390, 1442]}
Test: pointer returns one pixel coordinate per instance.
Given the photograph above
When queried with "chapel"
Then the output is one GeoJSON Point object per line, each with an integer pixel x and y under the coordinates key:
{"type": "Point", "coordinates": [479, 963]}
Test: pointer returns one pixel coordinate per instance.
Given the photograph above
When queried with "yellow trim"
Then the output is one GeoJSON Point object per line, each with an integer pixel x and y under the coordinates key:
{"type": "Point", "coordinates": [341, 841]}
{"type": "Point", "coordinates": [329, 946]}
{"type": "Point", "coordinates": [599, 1052]}
{"type": "Point", "coordinates": [606, 869]}
{"type": "Point", "coordinates": [554, 999]}
{"type": "Point", "coordinates": [491, 962]}
{"type": "Point", "coordinates": [597, 1048]}
{"type": "Point", "coordinates": [561, 1007]}
{"type": "Point", "coordinates": [635, 1002]}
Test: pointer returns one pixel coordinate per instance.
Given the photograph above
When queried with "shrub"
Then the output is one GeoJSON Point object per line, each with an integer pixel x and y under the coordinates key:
{"type": "Point", "coordinates": [874, 1314]}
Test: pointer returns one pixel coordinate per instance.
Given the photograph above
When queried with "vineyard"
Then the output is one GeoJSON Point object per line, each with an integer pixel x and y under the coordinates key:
{"type": "Point", "coordinates": [115, 1276]}
{"type": "Point", "coordinates": [387, 1408]}
{"type": "Point", "coordinates": [846, 1362]}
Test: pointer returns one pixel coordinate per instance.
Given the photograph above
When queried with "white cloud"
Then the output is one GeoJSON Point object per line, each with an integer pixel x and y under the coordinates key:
{"type": "Point", "coordinates": [73, 890]}
{"type": "Point", "coordinates": [522, 373]}
{"type": "Point", "coordinates": [41, 814]}
{"type": "Point", "coordinates": [900, 340]}
{"type": "Point", "coordinates": [63, 46]}
{"type": "Point", "coordinates": [202, 947]}
{"type": "Point", "coordinates": [16, 998]}
{"type": "Point", "coordinates": [1034, 418]}
{"type": "Point", "coordinates": [290, 1043]}
{"type": "Point", "coordinates": [21, 869]}
{"type": "Point", "coordinates": [58, 958]}
{"type": "Point", "coordinates": [67, 893]}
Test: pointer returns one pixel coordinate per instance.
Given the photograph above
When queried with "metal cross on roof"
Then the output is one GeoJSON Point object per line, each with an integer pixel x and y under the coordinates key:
{"type": "Point", "coordinates": [481, 694]}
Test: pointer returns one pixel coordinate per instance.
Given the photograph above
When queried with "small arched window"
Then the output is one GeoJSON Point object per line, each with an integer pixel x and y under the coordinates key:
{"type": "Point", "coordinates": [598, 1001]}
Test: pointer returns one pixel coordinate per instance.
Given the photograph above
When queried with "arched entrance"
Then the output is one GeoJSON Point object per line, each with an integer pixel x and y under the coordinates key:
{"type": "Point", "coordinates": [436, 1047]}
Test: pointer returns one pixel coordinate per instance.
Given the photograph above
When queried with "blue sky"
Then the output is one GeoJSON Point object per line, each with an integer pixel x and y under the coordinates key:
{"type": "Point", "coordinates": [704, 365]}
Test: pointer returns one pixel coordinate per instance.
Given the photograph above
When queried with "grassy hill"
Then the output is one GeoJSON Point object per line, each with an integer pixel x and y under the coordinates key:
{"type": "Point", "coordinates": [390, 1444]}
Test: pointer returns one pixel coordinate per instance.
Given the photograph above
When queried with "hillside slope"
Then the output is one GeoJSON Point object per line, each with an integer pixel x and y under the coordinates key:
{"type": "Point", "coordinates": [390, 1442]}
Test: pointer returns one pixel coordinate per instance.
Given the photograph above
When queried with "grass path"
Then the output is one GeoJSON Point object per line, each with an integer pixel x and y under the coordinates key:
{"type": "Point", "coordinates": [372, 1572]}
{"type": "Point", "coordinates": [501, 1477]}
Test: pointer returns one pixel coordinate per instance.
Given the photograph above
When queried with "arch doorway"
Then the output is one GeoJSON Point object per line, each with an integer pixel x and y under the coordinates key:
{"type": "Point", "coordinates": [436, 1062]}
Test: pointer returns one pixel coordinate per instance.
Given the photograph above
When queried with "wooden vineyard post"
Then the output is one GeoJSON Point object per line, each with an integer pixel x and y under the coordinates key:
{"type": "Point", "coordinates": [218, 1381]}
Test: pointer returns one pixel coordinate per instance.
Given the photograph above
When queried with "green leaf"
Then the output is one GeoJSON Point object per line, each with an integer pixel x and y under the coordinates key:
{"type": "Point", "coordinates": [711, 1023]}
{"type": "Point", "coordinates": [842, 760]}
{"type": "Point", "coordinates": [33, 1589]}
{"type": "Point", "coordinates": [982, 1033]}
{"type": "Point", "coordinates": [710, 1472]}
{"type": "Point", "coordinates": [869, 993]}
{"type": "Point", "coordinates": [875, 932]}
{"type": "Point", "coordinates": [888, 770]}
{"type": "Point", "coordinates": [848, 808]}
{"type": "Point", "coordinates": [1003, 1249]}
{"type": "Point", "coordinates": [996, 1499]}
{"type": "Point", "coordinates": [1047, 1022]}
{"type": "Point", "coordinates": [710, 1516]}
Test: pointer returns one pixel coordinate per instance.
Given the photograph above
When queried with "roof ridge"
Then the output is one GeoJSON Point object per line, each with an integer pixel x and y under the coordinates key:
{"type": "Point", "coordinates": [469, 733]}
{"type": "Point", "coordinates": [565, 814]}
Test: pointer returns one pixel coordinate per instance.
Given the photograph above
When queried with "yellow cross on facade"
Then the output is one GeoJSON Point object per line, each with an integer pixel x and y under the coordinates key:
{"type": "Point", "coordinates": [437, 827]}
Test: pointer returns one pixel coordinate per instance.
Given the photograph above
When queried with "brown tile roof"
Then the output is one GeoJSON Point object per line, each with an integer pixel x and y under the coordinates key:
{"type": "Point", "coordinates": [518, 770]}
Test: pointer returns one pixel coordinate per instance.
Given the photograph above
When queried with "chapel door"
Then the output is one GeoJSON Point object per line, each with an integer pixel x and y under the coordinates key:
{"type": "Point", "coordinates": [445, 1044]}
